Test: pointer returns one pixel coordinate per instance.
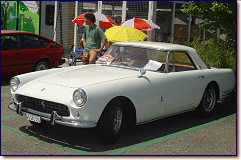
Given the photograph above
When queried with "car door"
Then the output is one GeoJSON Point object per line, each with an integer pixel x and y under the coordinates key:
{"type": "Point", "coordinates": [154, 100]}
{"type": "Point", "coordinates": [10, 63]}
{"type": "Point", "coordinates": [32, 49]}
{"type": "Point", "coordinates": [184, 83]}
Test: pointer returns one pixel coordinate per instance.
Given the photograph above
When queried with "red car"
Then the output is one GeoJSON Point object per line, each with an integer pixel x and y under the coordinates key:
{"type": "Point", "coordinates": [23, 52]}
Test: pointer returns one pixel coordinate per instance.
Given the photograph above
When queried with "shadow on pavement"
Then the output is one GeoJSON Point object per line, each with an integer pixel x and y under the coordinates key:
{"type": "Point", "coordinates": [88, 139]}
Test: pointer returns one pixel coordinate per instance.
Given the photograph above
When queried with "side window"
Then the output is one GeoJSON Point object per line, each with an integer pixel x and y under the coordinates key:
{"type": "Point", "coordinates": [180, 61]}
{"type": "Point", "coordinates": [32, 41]}
{"type": "Point", "coordinates": [156, 55]}
{"type": "Point", "coordinates": [9, 42]}
{"type": "Point", "coordinates": [158, 58]}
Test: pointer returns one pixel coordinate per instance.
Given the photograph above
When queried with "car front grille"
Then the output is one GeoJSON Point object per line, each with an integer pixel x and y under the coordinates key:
{"type": "Point", "coordinates": [43, 106]}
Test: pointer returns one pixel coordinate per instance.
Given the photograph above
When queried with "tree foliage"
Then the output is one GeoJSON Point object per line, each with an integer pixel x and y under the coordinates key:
{"type": "Point", "coordinates": [220, 14]}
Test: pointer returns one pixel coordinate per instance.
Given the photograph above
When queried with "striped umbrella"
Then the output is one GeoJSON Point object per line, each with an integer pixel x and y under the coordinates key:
{"type": "Point", "coordinates": [141, 24]}
{"type": "Point", "coordinates": [101, 20]}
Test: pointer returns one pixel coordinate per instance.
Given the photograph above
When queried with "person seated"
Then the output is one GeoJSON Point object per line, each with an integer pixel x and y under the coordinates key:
{"type": "Point", "coordinates": [141, 61]}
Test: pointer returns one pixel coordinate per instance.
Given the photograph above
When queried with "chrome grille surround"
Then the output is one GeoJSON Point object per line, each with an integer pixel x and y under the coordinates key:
{"type": "Point", "coordinates": [43, 105]}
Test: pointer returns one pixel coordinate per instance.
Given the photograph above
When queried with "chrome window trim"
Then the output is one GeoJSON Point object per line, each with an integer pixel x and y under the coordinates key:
{"type": "Point", "coordinates": [173, 62]}
{"type": "Point", "coordinates": [167, 62]}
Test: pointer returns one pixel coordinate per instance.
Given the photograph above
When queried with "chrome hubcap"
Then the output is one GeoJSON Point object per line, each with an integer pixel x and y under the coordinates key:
{"type": "Point", "coordinates": [117, 120]}
{"type": "Point", "coordinates": [209, 100]}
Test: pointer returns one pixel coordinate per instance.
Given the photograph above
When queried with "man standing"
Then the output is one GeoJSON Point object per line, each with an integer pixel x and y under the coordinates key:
{"type": "Point", "coordinates": [94, 39]}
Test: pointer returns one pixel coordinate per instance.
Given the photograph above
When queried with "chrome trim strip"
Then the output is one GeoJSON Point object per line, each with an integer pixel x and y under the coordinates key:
{"type": "Point", "coordinates": [228, 93]}
{"type": "Point", "coordinates": [167, 62]}
{"type": "Point", "coordinates": [75, 124]}
{"type": "Point", "coordinates": [166, 116]}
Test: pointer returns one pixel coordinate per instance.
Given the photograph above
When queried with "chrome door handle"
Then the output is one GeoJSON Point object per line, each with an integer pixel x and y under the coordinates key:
{"type": "Point", "coordinates": [202, 77]}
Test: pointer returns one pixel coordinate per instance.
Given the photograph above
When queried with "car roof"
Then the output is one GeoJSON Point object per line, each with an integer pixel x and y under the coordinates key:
{"type": "Point", "coordinates": [13, 31]}
{"type": "Point", "coordinates": [155, 45]}
{"type": "Point", "coordinates": [165, 47]}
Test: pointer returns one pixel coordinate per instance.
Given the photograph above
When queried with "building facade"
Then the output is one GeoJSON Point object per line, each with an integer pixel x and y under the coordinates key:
{"type": "Point", "coordinates": [53, 19]}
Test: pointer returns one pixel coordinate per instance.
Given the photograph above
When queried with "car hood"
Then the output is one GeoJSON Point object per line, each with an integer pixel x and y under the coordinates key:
{"type": "Point", "coordinates": [89, 75]}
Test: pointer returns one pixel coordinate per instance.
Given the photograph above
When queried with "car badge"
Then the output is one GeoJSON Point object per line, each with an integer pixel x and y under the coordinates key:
{"type": "Point", "coordinates": [43, 89]}
{"type": "Point", "coordinates": [42, 104]}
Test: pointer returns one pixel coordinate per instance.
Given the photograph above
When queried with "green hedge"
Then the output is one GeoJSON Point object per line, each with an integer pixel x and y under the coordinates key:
{"type": "Point", "coordinates": [215, 53]}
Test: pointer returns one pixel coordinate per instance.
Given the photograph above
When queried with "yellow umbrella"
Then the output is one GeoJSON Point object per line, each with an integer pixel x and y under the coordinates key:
{"type": "Point", "coordinates": [124, 33]}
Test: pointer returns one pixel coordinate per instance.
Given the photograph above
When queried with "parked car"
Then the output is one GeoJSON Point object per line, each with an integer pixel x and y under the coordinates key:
{"type": "Point", "coordinates": [134, 82]}
{"type": "Point", "coordinates": [23, 52]}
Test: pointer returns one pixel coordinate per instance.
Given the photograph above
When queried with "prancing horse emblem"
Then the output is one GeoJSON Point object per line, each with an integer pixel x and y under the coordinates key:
{"type": "Point", "coordinates": [42, 104]}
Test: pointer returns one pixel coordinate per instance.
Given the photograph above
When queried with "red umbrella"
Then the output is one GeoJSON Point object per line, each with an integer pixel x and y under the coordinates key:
{"type": "Point", "coordinates": [141, 24]}
{"type": "Point", "coordinates": [101, 20]}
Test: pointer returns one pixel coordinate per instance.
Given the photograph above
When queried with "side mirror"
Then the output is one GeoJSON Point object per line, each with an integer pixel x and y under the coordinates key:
{"type": "Point", "coordinates": [142, 71]}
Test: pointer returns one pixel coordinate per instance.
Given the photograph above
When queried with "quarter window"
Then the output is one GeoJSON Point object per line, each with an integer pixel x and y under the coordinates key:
{"type": "Point", "coordinates": [180, 61]}
{"type": "Point", "coordinates": [9, 42]}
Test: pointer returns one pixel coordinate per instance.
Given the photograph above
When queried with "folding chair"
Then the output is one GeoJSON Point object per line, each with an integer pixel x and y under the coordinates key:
{"type": "Point", "coordinates": [74, 56]}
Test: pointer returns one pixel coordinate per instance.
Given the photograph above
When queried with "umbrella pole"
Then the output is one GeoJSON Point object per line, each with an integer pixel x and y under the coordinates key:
{"type": "Point", "coordinates": [55, 18]}
{"type": "Point", "coordinates": [75, 25]}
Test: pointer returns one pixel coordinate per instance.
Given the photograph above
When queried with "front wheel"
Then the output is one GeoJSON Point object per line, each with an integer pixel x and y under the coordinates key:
{"type": "Point", "coordinates": [208, 102]}
{"type": "Point", "coordinates": [110, 122]}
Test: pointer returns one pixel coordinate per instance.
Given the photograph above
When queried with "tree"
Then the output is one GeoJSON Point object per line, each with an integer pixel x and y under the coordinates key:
{"type": "Point", "coordinates": [220, 14]}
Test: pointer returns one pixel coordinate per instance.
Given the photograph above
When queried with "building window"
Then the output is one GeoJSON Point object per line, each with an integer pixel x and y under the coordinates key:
{"type": "Point", "coordinates": [49, 17]}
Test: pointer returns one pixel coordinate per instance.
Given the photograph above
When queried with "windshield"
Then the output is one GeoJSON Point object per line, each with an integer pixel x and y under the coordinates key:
{"type": "Point", "coordinates": [134, 57]}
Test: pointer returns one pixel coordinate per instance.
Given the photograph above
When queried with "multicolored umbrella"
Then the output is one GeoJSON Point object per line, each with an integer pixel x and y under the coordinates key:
{"type": "Point", "coordinates": [141, 24]}
{"type": "Point", "coordinates": [123, 33]}
{"type": "Point", "coordinates": [101, 20]}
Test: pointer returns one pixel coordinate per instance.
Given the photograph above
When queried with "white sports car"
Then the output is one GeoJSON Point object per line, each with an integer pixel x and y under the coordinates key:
{"type": "Point", "coordinates": [134, 82]}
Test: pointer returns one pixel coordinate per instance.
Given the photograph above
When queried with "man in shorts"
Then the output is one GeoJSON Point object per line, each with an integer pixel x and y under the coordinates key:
{"type": "Point", "coordinates": [94, 39]}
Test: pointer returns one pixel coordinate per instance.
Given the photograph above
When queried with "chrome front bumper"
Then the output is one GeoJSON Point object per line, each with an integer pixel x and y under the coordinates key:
{"type": "Point", "coordinates": [54, 118]}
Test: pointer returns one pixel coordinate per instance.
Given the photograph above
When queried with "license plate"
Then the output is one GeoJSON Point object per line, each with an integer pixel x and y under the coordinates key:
{"type": "Point", "coordinates": [33, 118]}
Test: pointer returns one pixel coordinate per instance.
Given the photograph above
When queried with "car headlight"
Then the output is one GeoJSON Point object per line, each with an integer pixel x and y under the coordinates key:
{"type": "Point", "coordinates": [79, 97]}
{"type": "Point", "coordinates": [14, 84]}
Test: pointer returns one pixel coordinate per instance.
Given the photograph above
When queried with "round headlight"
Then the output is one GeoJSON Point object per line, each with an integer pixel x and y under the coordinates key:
{"type": "Point", "coordinates": [14, 84]}
{"type": "Point", "coordinates": [79, 97]}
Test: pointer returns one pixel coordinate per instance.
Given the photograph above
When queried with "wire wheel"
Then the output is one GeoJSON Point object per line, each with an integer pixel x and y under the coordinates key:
{"type": "Point", "coordinates": [117, 120]}
{"type": "Point", "coordinates": [110, 122]}
{"type": "Point", "coordinates": [209, 99]}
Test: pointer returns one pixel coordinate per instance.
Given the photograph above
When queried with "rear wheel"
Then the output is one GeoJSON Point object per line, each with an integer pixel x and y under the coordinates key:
{"type": "Point", "coordinates": [110, 122]}
{"type": "Point", "coordinates": [208, 102]}
{"type": "Point", "coordinates": [42, 65]}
